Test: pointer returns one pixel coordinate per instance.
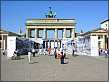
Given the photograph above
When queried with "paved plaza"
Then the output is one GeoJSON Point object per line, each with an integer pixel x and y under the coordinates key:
{"type": "Point", "coordinates": [47, 68]}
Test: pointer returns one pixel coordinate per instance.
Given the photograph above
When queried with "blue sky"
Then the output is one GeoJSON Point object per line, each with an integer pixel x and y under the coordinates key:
{"type": "Point", "coordinates": [87, 14]}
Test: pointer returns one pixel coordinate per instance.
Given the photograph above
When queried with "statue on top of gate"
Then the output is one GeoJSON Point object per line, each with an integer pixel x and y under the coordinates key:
{"type": "Point", "coordinates": [50, 14]}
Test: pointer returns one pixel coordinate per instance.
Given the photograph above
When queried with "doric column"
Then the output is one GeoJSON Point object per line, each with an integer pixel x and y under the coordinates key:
{"type": "Point", "coordinates": [27, 33]}
{"type": "Point", "coordinates": [56, 33]}
{"type": "Point", "coordinates": [36, 33]}
{"type": "Point", "coordinates": [72, 32]}
{"type": "Point", "coordinates": [104, 41]}
{"type": "Point", "coordinates": [2, 46]}
{"type": "Point", "coordinates": [64, 32]}
{"type": "Point", "coordinates": [45, 33]}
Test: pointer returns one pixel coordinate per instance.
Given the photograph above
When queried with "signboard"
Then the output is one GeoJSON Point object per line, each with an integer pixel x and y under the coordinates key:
{"type": "Point", "coordinates": [94, 45]}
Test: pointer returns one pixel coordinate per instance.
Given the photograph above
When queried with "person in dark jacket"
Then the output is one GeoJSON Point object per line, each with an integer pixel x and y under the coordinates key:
{"type": "Point", "coordinates": [62, 57]}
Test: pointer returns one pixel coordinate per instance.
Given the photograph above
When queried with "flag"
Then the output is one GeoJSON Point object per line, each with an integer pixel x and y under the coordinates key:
{"type": "Point", "coordinates": [20, 31]}
{"type": "Point", "coordinates": [81, 31]}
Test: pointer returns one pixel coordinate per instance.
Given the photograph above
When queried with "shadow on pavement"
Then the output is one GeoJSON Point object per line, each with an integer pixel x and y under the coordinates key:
{"type": "Point", "coordinates": [34, 62]}
{"type": "Point", "coordinates": [66, 62]}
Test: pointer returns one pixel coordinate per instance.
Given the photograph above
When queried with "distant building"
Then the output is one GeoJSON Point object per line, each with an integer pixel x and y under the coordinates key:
{"type": "Point", "coordinates": [3, 38]}
{"type": "Point", "coordinates": [105, 24]}
{"type": "Point", "coordinates": [102, 33]}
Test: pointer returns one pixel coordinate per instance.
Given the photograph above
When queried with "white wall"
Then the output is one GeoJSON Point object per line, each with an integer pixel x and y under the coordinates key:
{"type": "Point", "coordinates": [105, 25]}
{"type": "Point", "coordinates": [11, 45]}
{"type": "Point", "coordinates": [94, 45]}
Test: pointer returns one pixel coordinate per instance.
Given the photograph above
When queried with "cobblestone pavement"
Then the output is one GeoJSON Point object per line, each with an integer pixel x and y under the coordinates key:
{"type": "Point", "coordinates": [47, 68]}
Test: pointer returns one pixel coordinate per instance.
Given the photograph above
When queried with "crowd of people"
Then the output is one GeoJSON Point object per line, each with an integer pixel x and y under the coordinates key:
{"type": "Point", "coordinates": [58, 53]}
{"type": "Point", "coordinates": [103, 52]}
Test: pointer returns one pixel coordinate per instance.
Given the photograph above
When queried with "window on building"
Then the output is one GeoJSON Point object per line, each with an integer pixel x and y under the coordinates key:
{"type": "Point", "coordinates": [106, 25]}
{"type": "Point", "coordinates": [98, 37]}
{"type": "Point", "coordinates": [0, 38]}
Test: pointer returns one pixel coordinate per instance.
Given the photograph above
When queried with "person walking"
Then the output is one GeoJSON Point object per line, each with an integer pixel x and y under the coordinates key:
{"type": "Point", "coordinates": [3, 52]}
{"type": "Point", "coordinates": [64, 54]}
{"type": "Point", "coordinates": [44, 51]}
{"type": "Point", "coordinates": [106, 53]}
{"type": "Point", "coordinates": [55, 54]}
{"type": "Point", "coordinates": [73, 51]}
{"type": "Point", "coordinates": [62, 57]}
{"type": "Point", "coordinates": [29, 56]}
{"type": "Point", "coordinates": [48, 51]}
{"type": "Point", "coordinates": [33, 52]}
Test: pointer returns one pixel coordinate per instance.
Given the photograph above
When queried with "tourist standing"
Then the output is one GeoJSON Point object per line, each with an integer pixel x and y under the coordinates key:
{"type": "Point", "coordinates": [64, 54]}
{"type": "Point", "coordinates": [40, 51]}
{"type": "Point", "coordinates": [33, 52]}
{"type": "Point", "coordinates": [62, 57]}
{"type": "Point", "coordinates": [3, 52]}
{"type": "Point", "coordinates": [106, 53]}
{"type": "Point", "coordinates": [73, 51]}
{"type": "Point", "coordinates": [55, 54]}
{"type": "Point", "coordinates": [100, 52]}
{"type": "Point", "coordinates": [29, 56]}
{"type": "Point", "coordinates": [48, 51]}
{"type": "Point", "coordinates": [44, 51]}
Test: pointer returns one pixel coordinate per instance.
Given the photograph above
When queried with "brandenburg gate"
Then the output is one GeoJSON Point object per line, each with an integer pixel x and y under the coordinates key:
{"type": "Point", "coordinates": [50, 23]}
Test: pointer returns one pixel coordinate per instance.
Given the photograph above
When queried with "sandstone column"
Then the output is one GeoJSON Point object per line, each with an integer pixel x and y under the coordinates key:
{"type": "Point", "coordinates": [45, 33]}
{"type": "Point", "coordinates": [72, 32]}
{"type": "Point", "coordinates": [27, 33]}
{"type": "Point", "coordinates": [104, 41]}
{"type": "Point", "coordinates": [56, 33]}
{"type": "Point", "coordinates": [64, 32]}
{"type": "Point", "coordinates": [36, 33]}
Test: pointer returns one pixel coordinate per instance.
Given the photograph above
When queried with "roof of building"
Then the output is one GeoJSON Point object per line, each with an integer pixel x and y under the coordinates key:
{"type": "Point", "coordinates": [22, 34]}
{"type": "Point", "coordinates": [104, 21]}
{"type": "Point", "coordinates": [7, 32]}
{"type": "Point", "coordinates": [94, 31]}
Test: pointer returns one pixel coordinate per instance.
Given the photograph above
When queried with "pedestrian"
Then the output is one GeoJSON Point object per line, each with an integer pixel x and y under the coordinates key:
{"type": "Point", "coordinates": [100, 52]}
{"type": "Point", "coordinates": [18, 54]}
{"type": "Point", "coordinates": [106, 53]}
{"type": "Point", "coordinates": [62, 57]}
{"type": "Point", "coordinates": [55, 53]}
{"type": "Point", "coordinates": [48, 51]}
{"type": "Point", "coordinates": [40, 51]}
{"type": "Point", "coordinates": [29, 56]}
{"type": "Point", "coordinates": [64, 54]}
{"type": "Point", "coordinates": [73, 51]}
{"type": "Point", "coordinates": [3, 52]}
{"type": "Point", "coordinates": [44, 51]}
{"type": "Point", "coordinates": [33, 52]}
{"type": "Point", "coordinates": [15, 54]}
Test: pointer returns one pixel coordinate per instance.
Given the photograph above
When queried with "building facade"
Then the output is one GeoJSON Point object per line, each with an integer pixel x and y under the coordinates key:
{"type": "Point", "coordinates": [50, 24]}
{"type": "Point", "coordinates": [3, 38]}
{"type": "Point", "coordinates": [105, 24]}
{"type": "Point", "coordinates": [103, 36]}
